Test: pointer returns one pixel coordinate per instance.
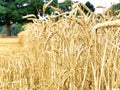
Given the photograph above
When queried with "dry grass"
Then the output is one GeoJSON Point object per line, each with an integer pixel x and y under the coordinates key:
{"type": "Point", "coordinates": [74, 53]}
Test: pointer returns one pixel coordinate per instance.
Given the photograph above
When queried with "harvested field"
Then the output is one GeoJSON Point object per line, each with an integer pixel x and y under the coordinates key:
{"type": "Point", "coordinates": [9, 41]}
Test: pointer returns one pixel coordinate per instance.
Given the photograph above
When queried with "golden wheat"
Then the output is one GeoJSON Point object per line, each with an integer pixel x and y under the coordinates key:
{"type": "Point", "coordinates": [73, 53]}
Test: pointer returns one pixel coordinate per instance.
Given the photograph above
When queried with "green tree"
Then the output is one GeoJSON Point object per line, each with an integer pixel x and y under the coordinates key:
{"type": "Point", "coordinates": [66, 5]}
{"type": "Point", "coordinates": [90, 6]}
{"type": "Point", "coordinates": [116, 7]}
{"type": "Point", "coordinates": [11, 11]}
{"type": "Point", "coordinates": [16, 28]}
{"type": "Point", "coordinates": [49, 10]}
{"type": "Point", "coordinates": [55, 3]}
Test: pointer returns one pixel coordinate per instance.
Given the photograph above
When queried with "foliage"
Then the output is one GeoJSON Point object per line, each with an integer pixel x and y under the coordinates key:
{"type": "Point", "coordinates": [116, 7]}
{"type": "Point", "coordinates": [66, 5]}
{"type": "Point", "coordinates": [2, 30]}
{"type": "Point", "coordinates": [90, 6]}
{"type": "Point", "coordinates": [49, 10]}
{"type": "Point", "coordinates": [11, 11]}
{"type": "Point", "coordinates": [16, 28]}
{"type": "Point", "coordinates": [55, 3]}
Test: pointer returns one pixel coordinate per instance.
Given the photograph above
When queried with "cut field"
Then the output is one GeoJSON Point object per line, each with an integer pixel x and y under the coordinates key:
{"type": "Point", "coordinates": [8, 45]}
{"type": "Point", "coordinates": [13, 41]}
{"type": "Point", "coordinates": [11, 54]}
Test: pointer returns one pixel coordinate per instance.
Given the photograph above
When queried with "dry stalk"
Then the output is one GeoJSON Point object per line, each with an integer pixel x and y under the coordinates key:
{"type": "Point", "coordinates": [115, 23]}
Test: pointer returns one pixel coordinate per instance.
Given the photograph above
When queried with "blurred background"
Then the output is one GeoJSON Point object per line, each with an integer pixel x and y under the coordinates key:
{"type": "Point", "coordinates": [12, 11]}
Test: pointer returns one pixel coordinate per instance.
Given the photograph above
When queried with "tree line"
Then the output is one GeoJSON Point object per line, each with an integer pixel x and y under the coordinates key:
{"type": "Point", "coordinates": [12, 11]}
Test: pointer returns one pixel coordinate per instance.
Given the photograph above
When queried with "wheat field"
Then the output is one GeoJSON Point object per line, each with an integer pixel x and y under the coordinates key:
{"type": "Point", "coordinates": [72, 53]}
